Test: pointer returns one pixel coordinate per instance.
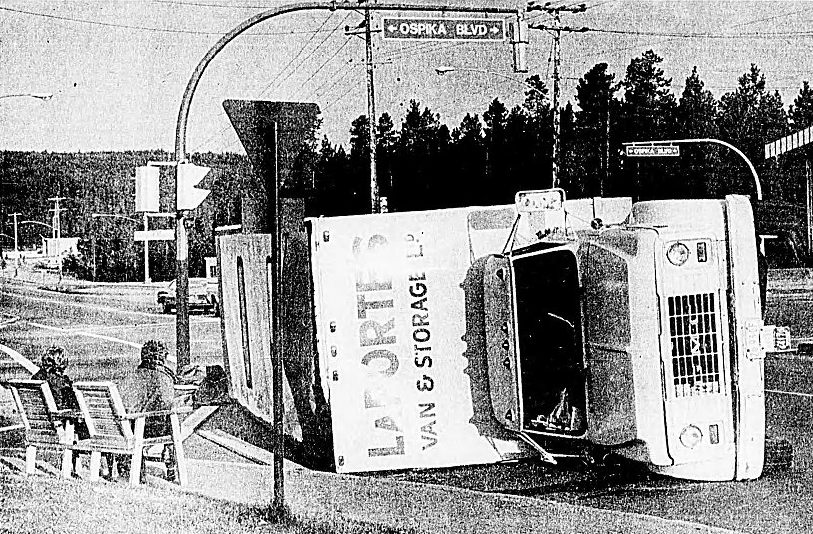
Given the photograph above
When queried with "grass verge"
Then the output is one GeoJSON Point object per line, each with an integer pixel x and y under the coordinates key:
{"type": "Point", "coordinates": [44, 504]}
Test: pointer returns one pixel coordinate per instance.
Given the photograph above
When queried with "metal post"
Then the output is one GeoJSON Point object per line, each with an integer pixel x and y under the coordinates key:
{"type": "Point", "coordinates": [606, 174]}
{"type": "Point", "coordinates": [368, 47]}
{"type": "Point", "coordinates": [57, 233]}
{"type": "Point", "coordinates": [146, 250]}
{"type": "Point", "coordinates": [16, 246]}
{"type": "Point", "coordinates": [181, 288]}
{"type": "Point", "coordinates": [809, 202]}
{"type": "Point", "coordinates": [93, 246]}
{"type": "Point", "coordinates": [276, 349]}
{"type": "Point", "coordinates": [557, 58]}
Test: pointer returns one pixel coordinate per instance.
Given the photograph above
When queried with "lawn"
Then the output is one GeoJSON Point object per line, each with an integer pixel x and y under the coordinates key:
{"type": "Point", "coordinates": [44, 504]}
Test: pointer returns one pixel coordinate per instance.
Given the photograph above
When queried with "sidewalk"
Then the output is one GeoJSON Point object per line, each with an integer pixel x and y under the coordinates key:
{"type": "Point", "coordinates": [409, 505]}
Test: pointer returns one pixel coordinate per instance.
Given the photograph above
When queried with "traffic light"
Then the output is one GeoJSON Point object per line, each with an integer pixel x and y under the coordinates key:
{"type": "Point", "coordinates": [189, 197]}
{"type": "Point", "coordinates": [146, 190]}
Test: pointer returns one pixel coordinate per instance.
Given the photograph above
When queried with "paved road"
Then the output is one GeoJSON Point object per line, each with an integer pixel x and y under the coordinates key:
{"type": "Point", "coordinates": [103, 334]}
{"type": "Point", "coordinates": [102, 330]}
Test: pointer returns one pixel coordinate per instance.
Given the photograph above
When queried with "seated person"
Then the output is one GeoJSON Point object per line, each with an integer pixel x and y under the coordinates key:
{"type": "Point", "coordinates": [148, 388]}
{"type": "Point", "coordinates": [52, 370]}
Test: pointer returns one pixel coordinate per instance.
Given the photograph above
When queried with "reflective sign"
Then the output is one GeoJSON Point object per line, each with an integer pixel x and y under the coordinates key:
{"type": "Point", "coordinates": [652, 150]}
{"type": "Point", "coordinates": [444, 29]}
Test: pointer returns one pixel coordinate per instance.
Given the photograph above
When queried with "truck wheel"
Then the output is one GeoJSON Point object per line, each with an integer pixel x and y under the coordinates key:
{"type": "Point", "coordinates": [167, 308]}
{"type": "Point", "coordinates": [778, 455]}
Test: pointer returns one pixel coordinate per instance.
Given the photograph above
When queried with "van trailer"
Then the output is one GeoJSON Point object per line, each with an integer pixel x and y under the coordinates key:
{"type": "Point", "coordinates": [487, 334]}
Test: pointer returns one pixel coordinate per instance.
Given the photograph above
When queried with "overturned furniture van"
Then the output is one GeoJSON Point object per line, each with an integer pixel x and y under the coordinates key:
{"type": "Point", "coordinates": [487, 334]}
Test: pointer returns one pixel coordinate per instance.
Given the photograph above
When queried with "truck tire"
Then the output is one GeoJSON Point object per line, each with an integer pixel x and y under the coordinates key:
{"type": "Point", "coordinates": [167, 308]}
{"type": "Point", "coordinates": [778, 455]}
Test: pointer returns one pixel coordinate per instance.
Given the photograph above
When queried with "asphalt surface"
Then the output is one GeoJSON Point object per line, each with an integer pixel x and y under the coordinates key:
{"type": "Point", "coordinates": [105, 329]}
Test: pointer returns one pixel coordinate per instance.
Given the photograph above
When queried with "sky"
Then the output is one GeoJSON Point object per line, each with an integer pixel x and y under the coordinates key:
{"type": "Point", "coordinates": [118, 68]}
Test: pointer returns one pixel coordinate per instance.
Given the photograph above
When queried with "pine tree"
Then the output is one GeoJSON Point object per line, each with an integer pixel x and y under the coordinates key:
{"type": "Point", "coordinates": [697, 119]}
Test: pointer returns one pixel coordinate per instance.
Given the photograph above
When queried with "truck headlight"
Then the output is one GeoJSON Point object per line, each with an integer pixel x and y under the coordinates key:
{"type": "Point", "coordinates": [677, 254]}
{"type": "Point", "coordinates": [691, 436]}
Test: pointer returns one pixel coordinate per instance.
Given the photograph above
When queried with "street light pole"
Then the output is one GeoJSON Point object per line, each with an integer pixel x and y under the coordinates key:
{"type": "Point", "coordinates": [58, 232]}
{"type": "Point", "coordinates": [16, 245]}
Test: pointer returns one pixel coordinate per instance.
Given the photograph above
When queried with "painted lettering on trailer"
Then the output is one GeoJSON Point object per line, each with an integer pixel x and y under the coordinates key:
{"type": "Point", "coordinates": [422, 342]}
{"type": "Point", "coordinates": [376, 314]}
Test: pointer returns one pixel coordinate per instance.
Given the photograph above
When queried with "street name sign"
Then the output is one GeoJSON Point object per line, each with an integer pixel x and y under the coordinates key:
{"type": "Point", "coordinates": [652, 151]}
{"type": "Point", "coordinates": [154, 235]}
{"type": "Point", "coordinates": [443, 29]}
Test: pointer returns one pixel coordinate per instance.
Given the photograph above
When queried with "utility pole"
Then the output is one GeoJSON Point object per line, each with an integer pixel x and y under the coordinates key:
{"type": "Point", "coordinates": [556, 29]}
{"type": "Point", "coordinates": [57, 231]}
{"type": "Point", "coordinates": [16, 246]}
{"type": "Point", "coordinates": [368, 47]}
{"type": "Point", "coordinates": [375, 198]}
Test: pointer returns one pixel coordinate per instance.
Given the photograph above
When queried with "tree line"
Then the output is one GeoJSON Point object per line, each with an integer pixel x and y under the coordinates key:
{"type": "Point", "coordinates": [490, 156]}
{"type": "Point", "coordinates": [423, 164]}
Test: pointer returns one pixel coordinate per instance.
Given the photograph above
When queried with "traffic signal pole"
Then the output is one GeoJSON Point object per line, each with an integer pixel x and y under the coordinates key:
{"type": "Point", "coordinates": [182, 316]}
{"type": "Point", "coordinates": [181, 288]}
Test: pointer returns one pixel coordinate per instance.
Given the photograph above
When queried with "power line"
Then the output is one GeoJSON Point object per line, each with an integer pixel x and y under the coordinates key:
{"type": "Point", "coordinates": [325, 62]}
{"type": "Point", "coordinates": [691, 35]}
{"type": "Point", "coordinates": [204, 4]}
{"type": "Point", "coordinates": [136, 27]}
{"type": "Point", "coordinates": [313, 51]}
{"type": "Point", "coordinates": [272, 82]}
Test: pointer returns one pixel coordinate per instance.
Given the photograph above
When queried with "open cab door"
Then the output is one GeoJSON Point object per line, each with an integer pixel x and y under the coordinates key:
{"type": "Point", "coordinates": [534, 329]}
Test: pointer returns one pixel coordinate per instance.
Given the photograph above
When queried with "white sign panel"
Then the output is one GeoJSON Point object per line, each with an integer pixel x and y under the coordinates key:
{"type": "Point", "coordinates": [652, 150]}
{"type": "Point", "coordinates": [399, 325]}
{"type": "Point", "coordinates": [154, 235]}
{"type": "Point", "coordinates": [443, 29]}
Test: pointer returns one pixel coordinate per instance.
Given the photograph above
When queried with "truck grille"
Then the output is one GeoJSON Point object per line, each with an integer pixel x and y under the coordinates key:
{"type": "Point", "coordinates": [695, 340]}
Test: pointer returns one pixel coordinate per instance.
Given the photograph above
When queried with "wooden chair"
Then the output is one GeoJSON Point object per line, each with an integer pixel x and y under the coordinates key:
{"type": "Point", "coordinates": [112, 430]}
{"type": "Point", "coordinates": [45, 426]}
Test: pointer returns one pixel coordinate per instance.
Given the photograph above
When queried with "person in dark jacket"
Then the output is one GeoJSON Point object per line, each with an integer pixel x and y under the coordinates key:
{"type": "Point", "coordinates": [150, 387]}
{"type": "Point", "coordinates": [52, 370]}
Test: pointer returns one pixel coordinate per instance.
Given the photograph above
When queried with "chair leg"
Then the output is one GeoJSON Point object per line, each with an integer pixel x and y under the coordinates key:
{"type": "Point", "coordinates": [77, 463]}
{"type": "Point", "coordinates": [30, 459]}
{"type": "Point", "coordinates": [67, 463]}
{"type": "Point", "coordinates": [67, 454]}
{"type": "Point", "coordinates": [177, 443]}
{"type": "Point", "coordinates": [95, 465]}
{"type": "Point", "coordinates": [138, 452]}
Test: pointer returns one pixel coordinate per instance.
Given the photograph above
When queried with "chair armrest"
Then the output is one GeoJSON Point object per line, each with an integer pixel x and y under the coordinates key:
{"type": "Point", "coordinates": [67, 413]}
{"type": "Point", "coordinates": [157, 413]}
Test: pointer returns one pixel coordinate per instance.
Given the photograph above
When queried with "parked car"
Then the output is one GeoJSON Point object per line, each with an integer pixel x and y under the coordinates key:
{"type": "Point", "coordinates": [200, 296]}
